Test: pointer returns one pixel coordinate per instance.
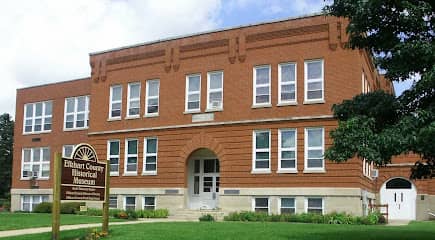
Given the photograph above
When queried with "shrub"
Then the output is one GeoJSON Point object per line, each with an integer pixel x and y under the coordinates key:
{"type": "Point", "coordinates": [206, 218]}
{"type": "Point", "coordinates": [71, 207]}
{"type": "Point", "coordinates": [44, 207]}
{"type": "Point", "coordinates": [158, 213]}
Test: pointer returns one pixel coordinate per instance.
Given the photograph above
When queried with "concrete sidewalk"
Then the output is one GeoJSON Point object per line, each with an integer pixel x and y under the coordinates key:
{"type": "Point", "coordinates": [11, 233]}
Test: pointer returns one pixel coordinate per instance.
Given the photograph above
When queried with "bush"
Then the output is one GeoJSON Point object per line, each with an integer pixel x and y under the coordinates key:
{"type": "Point", "coordinates": [206, 218]}
{"type": "Point", "coordinates": [158, 213]}
{"type": "Point", "coordinates": [71, 207]}
{"type": "Point", "coordinates": [91, 212]}
{"type": "Point", "coordinates": [44, 207]}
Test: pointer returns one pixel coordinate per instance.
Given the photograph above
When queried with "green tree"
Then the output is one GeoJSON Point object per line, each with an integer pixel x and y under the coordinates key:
{"type": "Point", "coordinates": [377, 126]}
{"type": "Point", "coordinates": [6, 152]}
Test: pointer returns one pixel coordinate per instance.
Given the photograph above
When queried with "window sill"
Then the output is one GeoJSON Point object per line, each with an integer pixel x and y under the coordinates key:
{"type": "Point", "coordinates": [38, 179]}
{"type": "Point", "coordinates": [262, 106]}
{"type": "Point", "coordinates": [114, 119]}
{"type": "Point", "coordinates": [132, 117]}
{"type": "Point", "coordinates": [149, 174]}
{"type": "Point", "coordinates": [75, 129]}
{"type": "Point", "coordinates": [319, 101]}
{"type": "Point", "coordinates": [293, 171]}
{"type": "Point", "coordinates": [130, 174]}
{"type": "Point", "coordinates": [153, 115]}
{"type": "Point", "coordinates": [35, 133]}
{"type": "Point", "coordinates": [214, 110]}
{"type": "Point", "coordinates": [192, 111]}
{"type": "Point", "coordinates": [314, 171]}
{"type": "Point", "coordinates": [114, 174]}
{"type": "Point", "coordinates": [287, 104]}
{"type": "Point", "coordinates": [261, 171]}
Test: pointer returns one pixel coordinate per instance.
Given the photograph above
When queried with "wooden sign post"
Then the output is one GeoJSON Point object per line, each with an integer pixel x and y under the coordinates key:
{"type": "Point", "coordinates": [83, 178]}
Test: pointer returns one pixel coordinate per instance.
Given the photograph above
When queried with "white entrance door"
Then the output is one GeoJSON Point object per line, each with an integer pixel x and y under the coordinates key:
{"type": "Point", "coordinates": [205, 194]}
{"type": "Point", "coordinates": [400, 195]}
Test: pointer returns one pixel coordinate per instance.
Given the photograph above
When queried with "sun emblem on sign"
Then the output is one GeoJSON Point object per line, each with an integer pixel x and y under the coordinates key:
{"type": "Point", "coordinates": [85, 152]}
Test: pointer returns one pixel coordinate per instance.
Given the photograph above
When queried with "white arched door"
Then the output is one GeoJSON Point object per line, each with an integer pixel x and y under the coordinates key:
{"type": "Point", "coordinates": [400, 195]}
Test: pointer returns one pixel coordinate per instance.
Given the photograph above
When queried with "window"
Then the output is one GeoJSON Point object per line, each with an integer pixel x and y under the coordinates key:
{"type": "Point", "coordinates": [130, 203]}
{"type": "Point", "coordinates": [314, 80]}
{"type": "Point", "coordinates": [67, 150]}
{"type": "Point", "coordinates": [261, 204]}
{"type": "Point", "coordinates": [36, 162]}
{"type": "Point", "coordinates": [150, 156]}
{"type": "Point", "coordinates": [131, 156]}
{"type": "Point", "coordinates": [115, 101]}
{"type": "Point", "coordinates": [314, 148]}
{"type": "Point", "coordinates": [113, 156]}
{"type": "Point", "coordinates": [76, 112]}
{"type": "Point", "coordinates": [261, 151]}
{"type": "Point", "coordinates": [29, 202]}
{"type": "Point", "coordinates": [193, 92]}
{"type": "Point", "coordinates": [37, 117]}
{"type": "Point", "coordinates": [367, 168]}
{"type": "Point", "coordinates": [287, 150]}
{"type": "Point", "coordinates": [261, 85]}
{"type": "Point", "coordinates": [314, 205]}
{"type": "Point", "coordinates": [113, 201]}
{"type": "Point", "coordinates": [215, 90]}
{"type": "Point", "coordinates": [133, 104]}
{"type": "Point", "coordinates": [287, 83]}
{"type": "Point", "coordinates": [287, 206]}
{"type": "Point", "coordinates": [365, 83]}
{"type": "Point", "coordinates": [149, 203]}
{"type": "Point", "coordinates": [152, 98]}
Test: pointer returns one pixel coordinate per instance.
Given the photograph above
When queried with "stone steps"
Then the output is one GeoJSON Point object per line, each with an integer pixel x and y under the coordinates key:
{"type": "Point", "coordinates": [193, 215]}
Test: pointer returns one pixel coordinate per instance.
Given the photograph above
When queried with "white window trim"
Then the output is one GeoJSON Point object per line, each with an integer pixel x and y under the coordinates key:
{"type": "Point", "coordinates": [75, 113]}
{"type": "Point", "coordinates": [306, 204]}
{"type": "Point", "coordinates": [129, 100]}
{"type": "Point", "coordinates": [111, 102]}
{"type": "Point", "coordinates": [254, 151]}
{"type": "Point", "coordinates": [112, 173]}
{"type": "Point", "coordinates": [43, 116]}
{"type": "Point", "coordinates": [31, 201]}
{"type": "Point", "coordinates": [312, 169]}
{"type": "Point", "coordinates": [280, 204]}
{"type": "Point", "coordinates": [254, 84]}
{"type": "Point", "coordinates": [145, 155]}
{"type": "Point", "coordinates": [209, 91]}
{"type": "Point", "coordinates": [186, 110]}
{"type": "Point", "coordinates": [63, 149]}
{"type": "Point", "coordinates": [306, 80]}
{"type": "Point", "coordinates": [147, 97]}
{"type": "Point", "coordinates": [367, 168]}
{"type": "Point", "coordinates": [125, 202]}
{"type": "Point", "coordinates": [31, 163]}
{"type": "Point", "coordinates": [253, 203]}
{"type": "Point", "coordinates": [144, 202]}
{"type": "Point", "coordinates": [126, 155]}
{"type": "Point", "coordinates": [117, 202]}
{"type": "Point", "coordinates": [280, 84]}
{"type": "Point", "coordinates": [280, 149]}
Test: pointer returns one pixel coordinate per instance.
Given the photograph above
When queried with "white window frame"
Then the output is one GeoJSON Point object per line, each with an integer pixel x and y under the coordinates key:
{"type": "Point", "coordinates": [306, 148]}
{"type": "Point", "coordinates": [144, 202]}
{"type": "Point", "coordinates": [131, 173]}
{"type": "Point", "coordinates": [64, 149]}
{"type": "Point", "coordinates": [75, 113]}
{"type": "Point", "coordinates": [281, 149]}
{"type": "Point", "coordinates": [41, 199]}
{"type": "Point", "coordinates": [281, 84]}
{"type": "Point", "coordinates": [365, 83]}
{"type": "Point", "coordinates": [148, 97]}
{"type": "Point", "coordinates": [125, 202]}
{"type": "Point", "coordinates": [210, 91]}
{"type": "Point", "coordinates": [254, 203]}
{"type": "Point", "coordinates": [321, 79]}
{"type": "Point", "coordinates": [116, 197]}
{"type": "Point", "coordinates": [41, 163]}
{"type": "Point", "coordinates": [280, 204]}
{"type": "Point", "coordinates": [323, 204]}
{"type": "Point", "coordinates": [146, 154]}
{"type": "Point", "coordinates": [112, 102]}
{"type": "Point", "coordinates": [255, 150]}
{"type": "Point", "coordinates": [130, 99]}
{"type": "Point", "coordinates": [33, 117]}
{"type": "Point", "coordinates": [367, 168]}
{"type": "Point", "coordinates": [186, 107]}
{"type": "Point", "coordinates": [109, 156]}
{"type": "Point", "coordinates": [255, 85]}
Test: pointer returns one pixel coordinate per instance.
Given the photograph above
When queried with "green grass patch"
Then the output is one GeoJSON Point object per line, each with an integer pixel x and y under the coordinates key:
{"type": "Point", "coordinates": [255, 230]}
{"type": "Point", "coordinates": [11, 221]}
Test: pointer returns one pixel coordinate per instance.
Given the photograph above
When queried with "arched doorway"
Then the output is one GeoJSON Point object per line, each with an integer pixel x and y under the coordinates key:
{"type": "Point", "coordinates": [400, 195]}
{"type": "Point", "coordinates": [203, 180]}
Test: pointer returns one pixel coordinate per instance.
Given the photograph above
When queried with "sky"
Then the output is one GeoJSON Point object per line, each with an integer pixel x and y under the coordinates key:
{"type": "Point", "coordinates": [50, 40]}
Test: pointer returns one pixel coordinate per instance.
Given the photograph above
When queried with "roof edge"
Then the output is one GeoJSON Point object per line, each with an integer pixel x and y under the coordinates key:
{"type": "Point", "coordinates": [52, 83]}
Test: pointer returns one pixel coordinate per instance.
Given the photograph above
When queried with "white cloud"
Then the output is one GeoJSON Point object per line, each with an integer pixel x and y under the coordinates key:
{"type": "Point", "coordinates": [49, 41]}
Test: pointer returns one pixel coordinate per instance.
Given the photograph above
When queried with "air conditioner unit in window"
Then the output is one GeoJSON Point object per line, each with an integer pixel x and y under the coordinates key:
{"type": "Point", "coordinates": [375, 173]}
{"type": "Point", "coordinates": [35, 174]}
{"type": "Point", "coordinates": [216, 104]}
{"type": "Point", "coordinates": [27, 173]}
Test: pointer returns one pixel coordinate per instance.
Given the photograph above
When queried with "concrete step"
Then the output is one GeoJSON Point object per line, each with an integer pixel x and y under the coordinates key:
{"type": "Point", "coordinates": [189, 214]}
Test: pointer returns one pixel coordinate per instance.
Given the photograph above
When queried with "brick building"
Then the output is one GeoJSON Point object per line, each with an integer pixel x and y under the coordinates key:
{"type": "Point", "coordinates": [233, 119]}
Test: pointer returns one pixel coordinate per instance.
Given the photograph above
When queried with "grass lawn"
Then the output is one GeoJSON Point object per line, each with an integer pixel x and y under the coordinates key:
{"type": "Point", "coordinates": [256, 230]}
{"type": "Point", "coordinates": [11, 221]}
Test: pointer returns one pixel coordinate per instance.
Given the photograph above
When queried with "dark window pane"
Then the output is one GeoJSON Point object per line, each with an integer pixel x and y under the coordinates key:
{"type": "Point", "coordinates": [261, 164]}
